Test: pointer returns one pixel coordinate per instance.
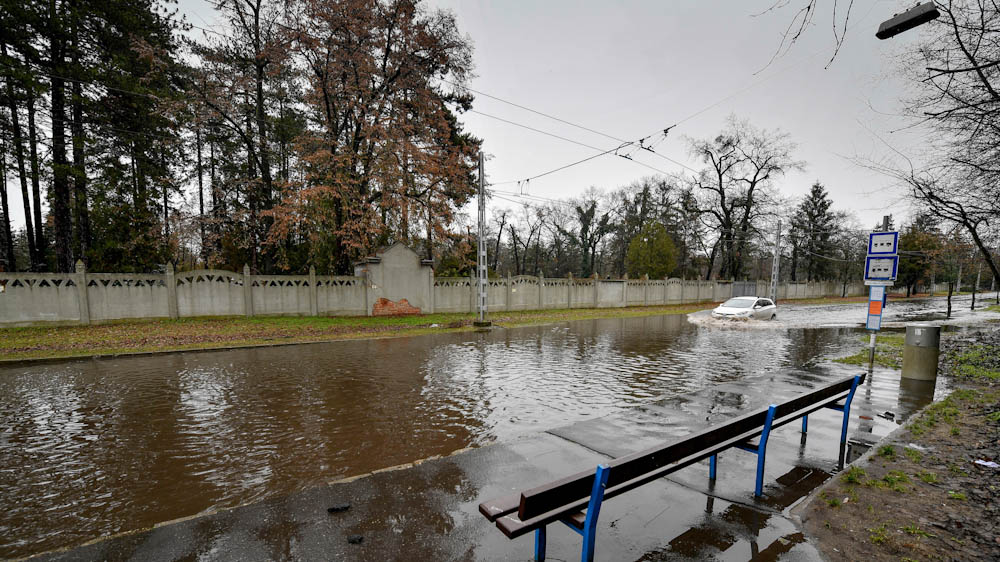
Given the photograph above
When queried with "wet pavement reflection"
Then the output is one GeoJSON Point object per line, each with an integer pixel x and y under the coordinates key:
{"type": "Point", "coordinates": [94, 447]}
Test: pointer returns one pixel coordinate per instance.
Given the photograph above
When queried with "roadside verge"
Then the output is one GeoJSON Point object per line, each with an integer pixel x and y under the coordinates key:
{"type": "Point", "coordinates": [931, 489]}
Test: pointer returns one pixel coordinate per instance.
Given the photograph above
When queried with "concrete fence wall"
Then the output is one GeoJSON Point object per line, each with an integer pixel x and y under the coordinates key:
{"type": "Point", "coordinates": [84, 298]}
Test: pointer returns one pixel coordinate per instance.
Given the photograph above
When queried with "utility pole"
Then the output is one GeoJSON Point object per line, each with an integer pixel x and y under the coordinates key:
{"type": "Point", "coordinates": [481, 272]}
{"type": "Point", "coordinates": [775, 262]}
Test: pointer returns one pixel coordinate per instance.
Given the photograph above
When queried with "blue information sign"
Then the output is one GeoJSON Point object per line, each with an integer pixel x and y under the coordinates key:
{"type": "Point", "coordinates": [883, 243]}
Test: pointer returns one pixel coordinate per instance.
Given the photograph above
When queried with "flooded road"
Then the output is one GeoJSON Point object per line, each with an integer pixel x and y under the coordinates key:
{"type": "Point", "coordinates": [94, 447]}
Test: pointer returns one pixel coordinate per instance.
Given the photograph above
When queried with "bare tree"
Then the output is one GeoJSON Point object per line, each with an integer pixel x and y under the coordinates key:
{"type": "Point", "coordinates": [734, 189]}
{"type": "Point", "coordinates": [958, 99]}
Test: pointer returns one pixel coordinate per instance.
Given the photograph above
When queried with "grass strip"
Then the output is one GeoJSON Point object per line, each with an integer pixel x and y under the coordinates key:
{"type": "Point", "coordinates": [145, 336]}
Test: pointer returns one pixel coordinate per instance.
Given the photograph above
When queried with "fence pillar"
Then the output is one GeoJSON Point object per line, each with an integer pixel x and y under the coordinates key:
{"type": "Point", "coordinates": [569, 290]}
{"type": "Point", "coordinates": [171, 291]}
{"type": "Point", "coordinates": [645, 289]}
{"type": "Point", "coordinates": [80, 278]}
{"type": "Point", "coordinates": [247, 291]}
{"type": "Point", "coordinates": [430, 296]}
{"type": "Point", "coordinates": [313, 293]}
{"type": "Point", "coordinates": [510, 286]}
{"type": "Point", "coordinates": [541, 291]}
{"type": "Point", "coordinates": [597, 292]}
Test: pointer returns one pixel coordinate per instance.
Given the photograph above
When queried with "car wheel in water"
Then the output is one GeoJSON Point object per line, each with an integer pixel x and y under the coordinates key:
{"type": "Point", "coordinates": [773, 316]}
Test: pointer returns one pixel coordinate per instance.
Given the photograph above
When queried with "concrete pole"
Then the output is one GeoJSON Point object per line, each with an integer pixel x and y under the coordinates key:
{"type": "Point", "coordinates": [775, 263]}
{"type": "Point", "coordinates": [482, 282]}
{"type": "Point", "coordinates": [597, 296]}
{"type": "Point", "coordinates": [80, 278]}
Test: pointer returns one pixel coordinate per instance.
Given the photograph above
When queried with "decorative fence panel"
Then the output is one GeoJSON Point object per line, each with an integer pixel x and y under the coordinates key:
{"type": "Point", "coordinates": [82, 298]}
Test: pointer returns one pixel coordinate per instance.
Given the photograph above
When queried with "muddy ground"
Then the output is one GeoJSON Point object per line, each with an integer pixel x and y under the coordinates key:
{"type": "Point", "coordinates": [920, 494]}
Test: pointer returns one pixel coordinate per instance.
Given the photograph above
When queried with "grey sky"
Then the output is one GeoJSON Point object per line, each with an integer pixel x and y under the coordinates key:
{"type": "Point", "coordinates": [631, 68]}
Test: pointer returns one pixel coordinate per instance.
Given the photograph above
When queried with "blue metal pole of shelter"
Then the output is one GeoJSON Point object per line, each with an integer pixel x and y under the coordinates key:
{"type": "Point", "coordinates": [762, 450]}
{"type": "Point", "coordinates": [846, 408]}
{"type": "Point", "coordinates": [540, 543]}
{"type": "Point", "coordinates": [593, 512]}
{"type": "Point", "coordinates": [589, 531]}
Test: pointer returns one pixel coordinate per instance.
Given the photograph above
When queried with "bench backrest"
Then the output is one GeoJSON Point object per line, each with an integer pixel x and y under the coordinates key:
{"type": "Point", "coordinates": [559, 493]}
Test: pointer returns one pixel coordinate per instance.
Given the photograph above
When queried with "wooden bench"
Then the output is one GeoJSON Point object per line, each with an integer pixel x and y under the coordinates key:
{"type": "Point", "coordinates": [576, 499]}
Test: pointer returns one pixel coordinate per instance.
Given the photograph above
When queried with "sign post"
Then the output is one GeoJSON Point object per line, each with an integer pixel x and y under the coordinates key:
{"type": "Point", "coordinates": [881, 266]}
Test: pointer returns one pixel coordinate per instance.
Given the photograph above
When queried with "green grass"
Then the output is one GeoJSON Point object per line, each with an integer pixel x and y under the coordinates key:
{"type": "Point", "coordinates": [944, 411]}
{"type": "Point", "coordinates": [928, 477]}
{"type": "Point", "coordinates": [956, 495]}
{"type": "Point", "coordinates": [854, 475]}
{"type": "Point", "coordinates": [895, 479]}
{"type": "Point", "coordinates": [879, 535]}
{"type": "Point", "coordinates": [123, 337]}
{"type": "Point", "coordinates": [914, 530]}
{"type": "Point", "coordinates": [887, 452]}
{"type": "Point", "coordinates": [888, 352]}
{"type": "Point", "coordinates": [976, 362]}
{"type": "Point", "coordinates": [913, 454]}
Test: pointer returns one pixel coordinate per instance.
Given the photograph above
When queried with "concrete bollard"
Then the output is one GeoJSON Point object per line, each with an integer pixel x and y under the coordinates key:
{"type": "Point", "coordinates": [920, 352]}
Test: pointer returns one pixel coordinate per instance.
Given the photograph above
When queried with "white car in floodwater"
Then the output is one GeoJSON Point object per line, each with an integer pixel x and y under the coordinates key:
{"type": "Point", "coordinates": [743, 308]}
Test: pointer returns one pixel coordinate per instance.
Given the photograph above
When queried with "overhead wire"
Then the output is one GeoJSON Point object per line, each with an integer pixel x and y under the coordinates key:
{"type": "Point", "coordinates": [690, 116]}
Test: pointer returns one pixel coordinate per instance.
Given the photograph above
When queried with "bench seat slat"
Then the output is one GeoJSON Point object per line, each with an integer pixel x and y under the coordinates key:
{"type": "Point", "coordinates": [570, 493]}
{"type": "Point", "coordinates": [514, 527]}
{"type": "Point", "coordinates": [499, 507]}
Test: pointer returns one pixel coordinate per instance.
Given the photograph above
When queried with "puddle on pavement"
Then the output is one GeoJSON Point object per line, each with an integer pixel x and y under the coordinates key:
{"type": "Point", "coordinates": [89, 448]}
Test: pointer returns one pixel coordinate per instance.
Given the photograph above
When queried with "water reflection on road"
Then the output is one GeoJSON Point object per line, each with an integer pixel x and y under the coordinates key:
{"type": "Point", "coordinates": [93, 447]}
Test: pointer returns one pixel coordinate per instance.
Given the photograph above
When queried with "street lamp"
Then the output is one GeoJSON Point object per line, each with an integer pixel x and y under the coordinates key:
{"type": "Point", "coordinates": [917, 15]}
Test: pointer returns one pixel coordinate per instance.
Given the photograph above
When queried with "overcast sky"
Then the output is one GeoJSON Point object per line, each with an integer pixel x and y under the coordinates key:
{"type": "Point", "coordinates": [629, 69]}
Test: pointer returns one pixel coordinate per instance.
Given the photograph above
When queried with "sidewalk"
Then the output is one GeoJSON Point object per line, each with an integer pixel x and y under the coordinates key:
{"type": "Point", "coordinates": [429, 511]}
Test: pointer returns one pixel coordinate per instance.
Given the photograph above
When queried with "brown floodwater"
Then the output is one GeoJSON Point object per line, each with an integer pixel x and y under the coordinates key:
{"type": "Point", "coordinates": [89, 448]}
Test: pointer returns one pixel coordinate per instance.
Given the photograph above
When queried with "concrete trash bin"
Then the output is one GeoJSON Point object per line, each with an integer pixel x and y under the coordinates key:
{"type": "Point", "coordinates": [920, 352]}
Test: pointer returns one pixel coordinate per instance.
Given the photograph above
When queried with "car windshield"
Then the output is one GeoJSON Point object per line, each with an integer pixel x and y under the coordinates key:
{"type": "Point", "coordinates": [738, 303]}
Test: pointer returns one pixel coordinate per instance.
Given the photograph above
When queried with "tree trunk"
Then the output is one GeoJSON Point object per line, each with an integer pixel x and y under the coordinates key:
{"type": "Point", "coordinates": [10, 261]}
{"type": "Point", "coordinates": [201, 196]}
{"type": "Point", "coordinates": [19, 156]}
{"type": "Point", "coordinates": [41, 242]}
{"type": "Point", "coordinates": [166, 201]}
{"type": "Point", "coordinates": [60, 172]}
{"type": "Point", "coordinates": [216, 197]}
{"type": "Point", "coordinates": [975, 287]}
{"type": "Point", "coordinates": [711, 261]}
{"type": "Point", "coordinates": [951, 289]}
{"type": "Point", "coordinates": [80, 200]}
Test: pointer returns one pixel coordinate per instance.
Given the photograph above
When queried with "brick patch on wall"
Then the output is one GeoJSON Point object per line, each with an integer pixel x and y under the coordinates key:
{"type": "Point", "coordinates": [386, 307]}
